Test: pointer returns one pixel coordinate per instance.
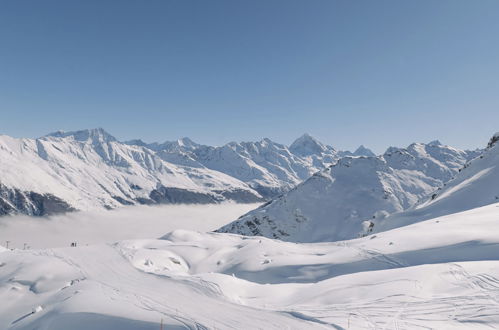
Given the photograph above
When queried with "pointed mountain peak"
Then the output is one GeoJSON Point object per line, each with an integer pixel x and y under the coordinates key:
{"type": "Point", "coordinates": [307, 145]}
{"type": "Point", "coordinates": [94, 134]}
{"type": "Point", "coordinates": [186, 142]}
{"type": "Point", "coordinates": [435, 143]}
{"type": "Point", "coordinates": [267, 142]}
{"type": "Point", "coordinates": [363, 151]}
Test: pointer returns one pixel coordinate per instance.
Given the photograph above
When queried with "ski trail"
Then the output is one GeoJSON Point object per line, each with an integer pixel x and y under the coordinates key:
{"type": "Point", "coordinates": [160, 293]}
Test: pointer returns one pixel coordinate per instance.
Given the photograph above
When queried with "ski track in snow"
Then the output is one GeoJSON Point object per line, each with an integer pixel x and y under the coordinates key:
{"type": "Point", "coordinates": [196, 280]}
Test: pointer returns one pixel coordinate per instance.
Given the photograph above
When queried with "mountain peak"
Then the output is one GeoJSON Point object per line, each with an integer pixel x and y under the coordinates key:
{"type": "Point", "coordinates": [136, 142]}
{"type": "Point", "coordinates": [307, 145]}
{"type": "Point", "coordinates": [186, 142]}
{"type": "Point", "coordinates": [94, 134]}
{"type": "Point", "coordinates": [435, 143]}
{"type": "Point", "coordinates": [363, 151]}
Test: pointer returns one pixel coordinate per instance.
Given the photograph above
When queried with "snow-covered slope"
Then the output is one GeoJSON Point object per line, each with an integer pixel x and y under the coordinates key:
{"type": "Point", "coordinates": [90, 169]}
{"type": "Point", "coordinates": [343, 201]}
{"type": "Point", "coordinates": [438, 274]}
{"type": "Point", "coordinates": [476, 184]}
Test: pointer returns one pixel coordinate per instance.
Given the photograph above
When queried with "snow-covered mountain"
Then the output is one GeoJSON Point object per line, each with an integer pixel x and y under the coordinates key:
{"type": "Point", "coordinates": [91, 169]}
{"type": "Point", "coordinates": [360, 151]}
{"type": "Point", "coordinates": [268, 167]}
{"type": "Point", "coordinates": [342, 201]}
{"type": "Point", "coordinates": [87, 169]}
{"type": "Point", "coordinates": [476, 185]}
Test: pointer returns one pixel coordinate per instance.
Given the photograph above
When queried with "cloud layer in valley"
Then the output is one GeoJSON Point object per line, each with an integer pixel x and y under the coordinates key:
{"type": "Point", "coordinates": [120, 224]}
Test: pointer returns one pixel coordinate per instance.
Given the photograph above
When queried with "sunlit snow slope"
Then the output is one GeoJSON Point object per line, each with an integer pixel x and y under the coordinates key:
{"type": "Point", "coordinates": [89, 170]}
{"type": "Point", "coordinates": [476, 184]}
{"type": "Point", "coordinates": [346, 200]}
{"type": "Point", "coordinates": [441, 273]}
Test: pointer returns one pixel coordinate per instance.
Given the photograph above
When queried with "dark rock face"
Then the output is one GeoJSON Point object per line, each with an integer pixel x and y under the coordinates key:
{"type": "Point", "coordinates": [14, 201]}
{"type": "Point", "coordinates": [168, 195]}
{"type": "Point", "coordinates": [269, 193]}
{"type": "Point", "coordinates": [493, 140]}
{"type": "Point", "coordinates": [240, 196]}
{"type": "Point", "coordinates": [123, 201]}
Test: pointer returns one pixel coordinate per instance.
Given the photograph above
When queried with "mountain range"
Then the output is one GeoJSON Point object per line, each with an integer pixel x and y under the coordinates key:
{"type": "Point", "coordinates": [89, 169]}
{"type": "Point", "coordinates": [356, 195]}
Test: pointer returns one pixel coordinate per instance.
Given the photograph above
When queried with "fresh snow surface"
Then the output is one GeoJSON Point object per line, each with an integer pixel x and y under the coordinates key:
{"type": "Point", "coordinates": [345, 200]}
{"type": "Point", "coordinates": [92, 227]}
{"type": "Point", "coordinates": [442, 273]}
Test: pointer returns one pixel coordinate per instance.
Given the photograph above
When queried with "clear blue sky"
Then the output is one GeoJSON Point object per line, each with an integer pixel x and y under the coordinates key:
{"type": "Point", "coordinates": [368, 72]}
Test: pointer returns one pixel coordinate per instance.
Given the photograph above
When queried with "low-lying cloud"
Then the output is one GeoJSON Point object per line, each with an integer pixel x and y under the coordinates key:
{"type": "Point", "coordinates": [132, 222]}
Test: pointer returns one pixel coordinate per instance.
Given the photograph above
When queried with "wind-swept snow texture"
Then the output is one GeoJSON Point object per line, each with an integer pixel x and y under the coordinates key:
{"type": "Point", "coordinates": [347, 199]}
{"type": "Point", "coordinates": [441, 273]}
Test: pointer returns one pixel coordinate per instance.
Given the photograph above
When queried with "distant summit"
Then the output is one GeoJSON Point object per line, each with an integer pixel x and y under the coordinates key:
{"type": "Point", "coordinates": [307, 145]}
{"type": "Point", "coordinates": [435, 143]}
{"type": "Point", "coordinates": [363, 151]}
{"type": "Point", "coordinates": [94, 134]}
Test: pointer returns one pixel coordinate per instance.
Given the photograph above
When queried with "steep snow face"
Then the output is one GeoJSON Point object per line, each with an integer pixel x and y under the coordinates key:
{"type": "Point", "coordinates": [476, 184]}
{"type": "Point", "coordinates": [343, 201]}
{"type": "Point", "coordinates": [90, 169]}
